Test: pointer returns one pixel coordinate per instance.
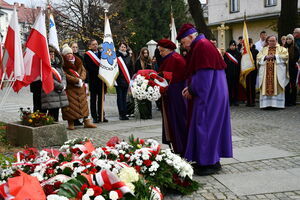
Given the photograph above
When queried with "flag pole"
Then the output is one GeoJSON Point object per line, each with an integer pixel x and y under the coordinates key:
{"type": "Point", "coordinates": [10, 85]}
{"type": "Point", "coordinates": [102, 96]}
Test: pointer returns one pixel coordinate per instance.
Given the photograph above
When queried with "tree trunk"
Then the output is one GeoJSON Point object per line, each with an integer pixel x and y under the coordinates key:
{"type": "Point", "coordinates": [196, 11]}
{"type": "Point", "coordinates": [288, 17]}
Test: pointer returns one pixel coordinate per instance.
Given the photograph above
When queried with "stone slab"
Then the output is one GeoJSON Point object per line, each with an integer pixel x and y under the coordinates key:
{"type": "Point", "coordinates": [142, 134]}
{"type": "Point", "coordinates": [262, 182]}
{"type": "Point", "coordinates": [263, 152]}
{"type": "Point", "coordinates": [226, 161]}
{"type": "Point", "coordinates": [130, 124]}
{"type": "Point", "coordinates": [236, 138]}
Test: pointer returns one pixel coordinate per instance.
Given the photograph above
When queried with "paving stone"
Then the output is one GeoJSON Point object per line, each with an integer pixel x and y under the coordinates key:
{"type": "Point", "coordinates": [252, 128]}
{"type": "Point", "coordinates": [259, 153]}
{"type": "Point", "coordinates": [261, 182]}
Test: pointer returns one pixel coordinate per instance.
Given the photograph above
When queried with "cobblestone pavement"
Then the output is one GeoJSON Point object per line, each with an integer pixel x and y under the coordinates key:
{"type": "Point", "coordinates": [266, 145]}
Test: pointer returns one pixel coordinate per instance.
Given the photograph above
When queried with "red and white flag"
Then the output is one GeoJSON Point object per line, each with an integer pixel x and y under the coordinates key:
{"type": "Point", "coordinates": [37, 58]}
{"type": "Point", "coordinates": [13, 55]}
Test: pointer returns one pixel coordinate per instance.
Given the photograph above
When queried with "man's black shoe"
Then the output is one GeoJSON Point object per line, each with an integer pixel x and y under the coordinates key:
{"type": "Point", "coordinates": [206, 170]}
{"type": "Point", "coordinates": [123, 118]}
{"type": "Point", "coordinates": [95, 121]}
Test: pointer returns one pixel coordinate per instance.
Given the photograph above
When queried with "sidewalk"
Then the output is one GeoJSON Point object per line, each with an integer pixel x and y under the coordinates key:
{"type": "Point", "coordinates": [266, 163]}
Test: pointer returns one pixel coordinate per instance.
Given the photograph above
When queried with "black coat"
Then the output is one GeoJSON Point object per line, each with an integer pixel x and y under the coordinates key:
{"type": "Point", "coordinates": [95, 83]}
{"type": "Point", "coordinates": [293, 58]}
{"type": "Point", "coordinates": [254, 53]}
{"type": "Point", "coordinates": [121, 81]}
{"type": "Point", "coordinates": [233, 70]}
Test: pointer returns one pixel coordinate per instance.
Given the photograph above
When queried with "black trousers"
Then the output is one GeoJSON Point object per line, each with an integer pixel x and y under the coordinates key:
{"type": "Point", "coordinates": [250, 88]}
{"type": "Point", "coordinates": [37, 102]}
{"type": "Point", "coordinates": [54, 112]}
{"type": "Point", "coordinates": [291, 88]}
{"type": "Point", "coordinates": [96, 103]}
{"type": "Point", "coordinates": [121, 100]}
{"type": "Point", "coordinates": [233, 89]}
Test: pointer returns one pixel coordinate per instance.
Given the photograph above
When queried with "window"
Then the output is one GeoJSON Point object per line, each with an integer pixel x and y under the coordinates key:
{"type": "Point", "coordinates": [234, 6]}
{"type": "Point", "coordinates": [269, 3]}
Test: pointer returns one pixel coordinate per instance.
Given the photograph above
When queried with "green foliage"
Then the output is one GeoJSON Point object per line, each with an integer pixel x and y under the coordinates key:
{"type": "Point", "coordinates": [151, 19]}
{"type": "Point", "coordinates": [3, 138]}
{"type": "Point", "coordinates": [5, 161]}
{"type": "Point", "coordinates": [71, 188]}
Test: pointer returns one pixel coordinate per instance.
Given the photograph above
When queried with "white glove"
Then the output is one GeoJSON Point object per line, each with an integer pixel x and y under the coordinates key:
{"type": "Point", "coordinates": [79, 84]}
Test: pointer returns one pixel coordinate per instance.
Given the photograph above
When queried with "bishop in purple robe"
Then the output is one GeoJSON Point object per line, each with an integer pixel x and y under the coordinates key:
{"type": "Point", "coordinates": [173, 103]}
{"type": "Point", "coordinates": [209, 126]}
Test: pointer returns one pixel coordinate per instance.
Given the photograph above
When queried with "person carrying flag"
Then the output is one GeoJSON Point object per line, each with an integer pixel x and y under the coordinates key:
{"type": "Point", "coordinates": [232, 58]}
{"type": "Point", "coordinates": [92, 64]}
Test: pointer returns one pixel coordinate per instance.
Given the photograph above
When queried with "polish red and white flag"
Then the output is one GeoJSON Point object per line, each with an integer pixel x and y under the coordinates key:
{"type": "Point", "coordinates": [12, 61]}
{"type": "Point", "coordinates": [37, 58]}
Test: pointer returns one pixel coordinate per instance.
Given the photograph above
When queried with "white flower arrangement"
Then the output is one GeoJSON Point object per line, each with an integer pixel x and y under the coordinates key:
{"type": "Point", "coordinates": [141, 90]}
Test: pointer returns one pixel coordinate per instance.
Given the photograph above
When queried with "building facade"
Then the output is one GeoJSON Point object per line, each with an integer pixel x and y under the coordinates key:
{"type": "Point", "coordinates": [260, 14]}
{"type": "Point", "coordinates": [26, 17]}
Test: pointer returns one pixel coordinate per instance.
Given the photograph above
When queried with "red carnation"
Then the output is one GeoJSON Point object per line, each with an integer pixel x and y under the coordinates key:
{"type": "Point", "coordinates": [120, 194]}
{"type": "Point", "coordinates": [97, 190]}
{"type": "Point", "coordinates": [138, 169]}
{"type": "Point", "coordinates": [142, 142]}
{"type": "Point", "coordinates": [83, 187]}
{"type": "Point", "coordinates": [79, 195]}
{"type": "Point", "coordinates": [75, 150]}
{"type": "Point", "coordinates": [49, 171]}
{"type": "Point", "coordinates": [57, 184]}
{"type": "Point", "coordinates": [93, 171]}
{"type": "Point", "coordinates": [107, 187]}
{"type": "Point", "coordinates": [122, 157]}
{"type": "Point", "coordinates": [151, 83]}
{"type": "Point", "coordinates": [49, 189]}
{"type": "Point", "coordinates": [147, 162]}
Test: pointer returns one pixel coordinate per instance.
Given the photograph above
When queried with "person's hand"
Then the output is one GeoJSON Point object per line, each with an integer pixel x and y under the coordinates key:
{"type": "Point", "coordinates": [80, 83]}
{"type": "Point", "coordinates": [186, 93]}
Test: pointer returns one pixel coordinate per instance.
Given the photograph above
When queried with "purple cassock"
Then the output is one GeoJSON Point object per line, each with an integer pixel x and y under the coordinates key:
{"type": "Point", "coordinates": [174, 104]}
{"type": "Point", "coordinates": [209, 132]}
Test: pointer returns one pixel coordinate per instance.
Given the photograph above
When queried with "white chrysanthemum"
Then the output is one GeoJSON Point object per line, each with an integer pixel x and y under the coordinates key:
{"type": "Point", "coordinates": [113, 195]}
{"type": "Point", "coordinates": [128, 175]}
{"type": "Point", "coordinates": [145, 157]}
{"type": "Point", "coordinates": [158, 158]}
{"type": "Point", "coordinates": [90, 192]}
{"type": "Point", "coordinates": [38, 176]}
{"type": "Point", "coordinates": [100, 197]}
{"type": "Point", "coordinates": [85, 197]}
{"type": "Point", "coordinates": [139, 162]}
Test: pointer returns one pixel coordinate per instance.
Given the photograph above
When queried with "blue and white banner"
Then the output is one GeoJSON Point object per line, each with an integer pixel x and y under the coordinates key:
{"type": "Point", "coordinates": [109, 69]}
{"type": "Point", "coordinates": [53, 39]}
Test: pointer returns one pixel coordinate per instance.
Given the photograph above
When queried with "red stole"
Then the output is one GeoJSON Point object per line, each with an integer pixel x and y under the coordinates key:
{"type": "Point", "coordinates": [56, 74]}
{"type": "Point", "coordinates": [93, 56]}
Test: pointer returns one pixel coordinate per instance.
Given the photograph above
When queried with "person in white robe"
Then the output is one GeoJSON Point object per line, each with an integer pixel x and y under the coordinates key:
{"type": "Point", "coordinates": [272, 74]}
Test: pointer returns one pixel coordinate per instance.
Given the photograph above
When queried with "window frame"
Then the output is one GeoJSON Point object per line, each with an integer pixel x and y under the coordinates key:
{"type": "Point", "coordinates": [270, 5]}
{"type": "Point", "coordinates": [230, 6]}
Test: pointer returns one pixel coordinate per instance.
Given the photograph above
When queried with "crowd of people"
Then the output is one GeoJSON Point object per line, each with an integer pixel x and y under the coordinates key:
{"type": "Point", "coordinates": [196, 106]}
{"type": "Point", "coordinates": [275, 74]}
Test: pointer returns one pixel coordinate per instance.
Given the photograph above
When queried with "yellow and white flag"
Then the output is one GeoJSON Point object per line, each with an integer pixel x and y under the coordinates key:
{"type": "Point", "coordinates": [247, 62]}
